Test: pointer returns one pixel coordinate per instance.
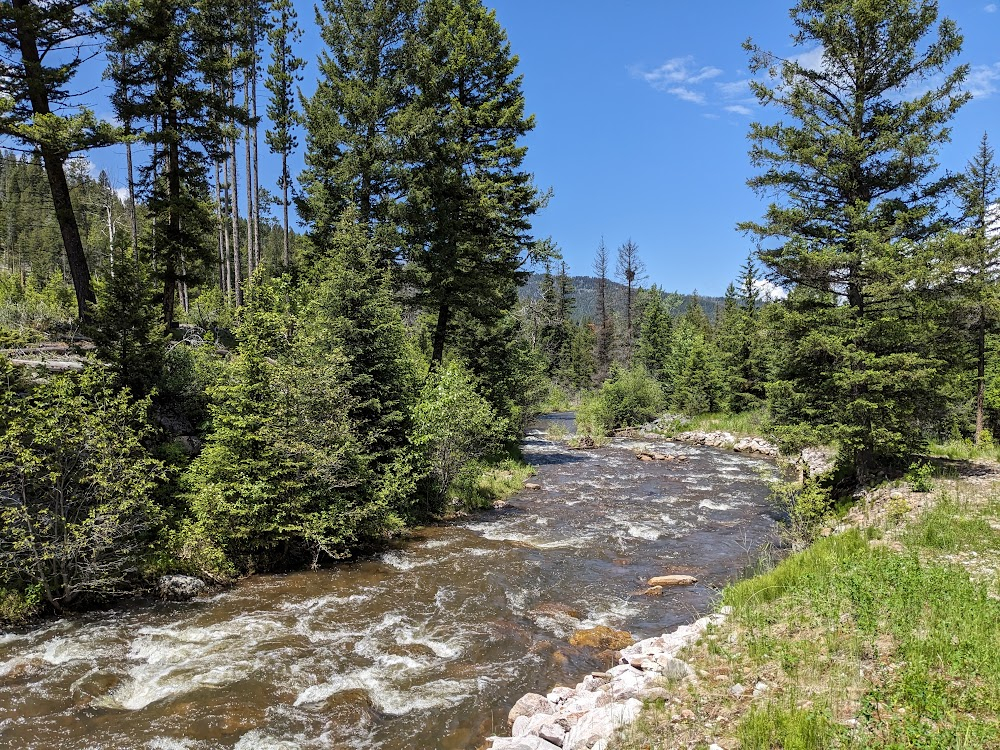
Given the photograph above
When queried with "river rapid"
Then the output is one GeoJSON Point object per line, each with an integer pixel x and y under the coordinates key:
{"type": "Point", "coordinates": [424, 646]}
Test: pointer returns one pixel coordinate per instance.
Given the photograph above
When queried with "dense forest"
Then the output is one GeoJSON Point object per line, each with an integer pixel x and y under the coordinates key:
{"type": "Point", "coordinates": [233, 395]}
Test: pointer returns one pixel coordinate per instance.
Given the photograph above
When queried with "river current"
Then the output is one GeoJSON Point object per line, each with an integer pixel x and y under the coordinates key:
{"type": "Point", "coordinates": [424, 646]}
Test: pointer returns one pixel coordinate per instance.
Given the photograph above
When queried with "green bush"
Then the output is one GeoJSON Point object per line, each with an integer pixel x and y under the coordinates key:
{"type": "Point", "coordinates": [919, 476]}
{"type": "Point", "coordinates": [454, 425]}
{"type": "Point", "coordinates": [628, 397]}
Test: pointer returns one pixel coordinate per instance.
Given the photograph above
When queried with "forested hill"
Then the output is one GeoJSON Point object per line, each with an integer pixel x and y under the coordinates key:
{"type": "Point", "coordinates": [585, 292]}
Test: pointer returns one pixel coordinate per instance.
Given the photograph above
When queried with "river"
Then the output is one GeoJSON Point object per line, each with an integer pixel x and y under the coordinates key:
{"type": "Point", "coordinates": [424, 646]}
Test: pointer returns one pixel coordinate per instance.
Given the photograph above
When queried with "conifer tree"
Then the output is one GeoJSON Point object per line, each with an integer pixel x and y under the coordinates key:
{"type": "Point", "coordinates": [604, 333]}
{"type": "Point", "coordinates": [354, 137]}
{"type": "Point", "coordinates": [468, 200]}
{"type": "Point", "coordinates": [41, 53]}
{"type": "Point", "coordinates": [283, 73]}
{"type": "Point", "coordinates": [631, 270]}
{"type": "Point", "coordinates": [655, 333]}
{"type": "Point", "coordinates": [853, 172]}
{"type": "Point", "coordinates": [978, 262]}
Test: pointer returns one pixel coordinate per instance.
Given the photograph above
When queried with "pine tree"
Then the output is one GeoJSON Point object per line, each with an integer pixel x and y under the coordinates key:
{"type": "Point", "coordinates": [468, 200]}
{"type": "Point", "coordinates": [853, 168]}
{"type": "Point", "coordinates": [604, 333]}
{"type": "Point", "coordinates": [631, 270]}
{"type": "Point", "coordinates": [283, 73]}
{"type": "Point", "coordinates": [35, 91]}
{"type": "Point", "coordinates": [655, 333]}
{"type": "Point", "coordinates": [354, 137]}
{"type": "Point", "coordinates": [978, 261]}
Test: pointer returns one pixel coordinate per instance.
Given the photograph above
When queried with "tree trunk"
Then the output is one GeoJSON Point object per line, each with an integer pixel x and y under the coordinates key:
{"type": "Point", "coordinates": [53, 161]}
{"type": "Point", "coordinates": [980, 374]}
{"type": "Point", "coordinates": [440, 334]}
{"type": "Point", "coordinates": [286, 252]}
{"type": "Point", "coordinates": [251, 238]}
{"type": "Point", "coordinates": [254, 155]}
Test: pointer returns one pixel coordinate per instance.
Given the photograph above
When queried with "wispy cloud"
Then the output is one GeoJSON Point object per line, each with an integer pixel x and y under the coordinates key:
{"type": "Point", "coordinates": [769, 290]}
{"type": "Point", "coordinates": [685, 79]}
{"type": "Point", "coordinates": [991, 8]}
{"type": "Point", "coordinates": [677, 73]}
{"type": "Point", "coordinates": [983, 80]}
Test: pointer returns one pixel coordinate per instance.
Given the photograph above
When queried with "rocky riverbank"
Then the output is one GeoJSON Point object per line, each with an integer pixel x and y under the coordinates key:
{"type": "Point", "coordinates": [587, 716]}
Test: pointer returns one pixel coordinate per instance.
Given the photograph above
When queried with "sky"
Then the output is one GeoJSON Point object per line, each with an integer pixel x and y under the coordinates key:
{"type": "Point", "coordinates": [642, 111]}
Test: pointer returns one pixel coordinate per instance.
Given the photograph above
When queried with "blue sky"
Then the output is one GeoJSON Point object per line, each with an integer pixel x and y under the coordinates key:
{"type": "Point", "coordinates": [642, 113]}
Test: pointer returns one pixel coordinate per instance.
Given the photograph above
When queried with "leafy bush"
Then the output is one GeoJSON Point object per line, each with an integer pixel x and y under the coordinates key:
{"type": "Point", "coordinates": [919, 476]}
{"type": "Point", "coordinates": [454, 425]}
{"type": "Point", "coordinates": [628, 397]}
{"type": "Point", "coordinates": [807, 508]}
{"type": "Point", "coordinates": [76, 483]}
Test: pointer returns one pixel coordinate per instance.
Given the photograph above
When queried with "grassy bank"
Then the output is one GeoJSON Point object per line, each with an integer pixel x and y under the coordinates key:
{"type": "Point", "coordinates": [746, 424]}
{"type": "Point", "coordinates": [490, 480]}
{"type": "Point", "coordinates": [884, 635]}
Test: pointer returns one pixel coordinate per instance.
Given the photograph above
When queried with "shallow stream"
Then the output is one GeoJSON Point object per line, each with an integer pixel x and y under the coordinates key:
{"type": "Point", "coordinates": [424, 646]}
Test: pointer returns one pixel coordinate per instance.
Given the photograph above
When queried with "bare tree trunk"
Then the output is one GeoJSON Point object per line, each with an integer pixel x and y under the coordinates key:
{"type": "Point", "coordinates": [254, 148]}
{"type": "Point", "coordinates": [132, 217]}
{"type": "Point", "coordinates": [286, 243]}
{"type": "Point", "coordinates": [220, 226]}
{"type": "Point", "coordinates": [980, 374]}
{"type": "Point", "coordinates": [234, 202]}
{"type": "Point", "coordinates": [251, 234]}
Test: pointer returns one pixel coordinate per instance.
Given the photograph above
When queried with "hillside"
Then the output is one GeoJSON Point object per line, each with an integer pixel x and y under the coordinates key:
{"type": "Point", "coordinates": [585, 291]}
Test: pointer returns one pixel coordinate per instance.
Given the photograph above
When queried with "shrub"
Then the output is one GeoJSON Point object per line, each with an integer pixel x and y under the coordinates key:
{"type": "Point", "coordinates": [628, 397]}
{"type": "Point", "coordinates": [454, 425]}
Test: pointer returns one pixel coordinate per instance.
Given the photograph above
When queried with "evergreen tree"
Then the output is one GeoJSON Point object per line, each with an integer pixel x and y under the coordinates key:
{"type": "Point", "coordinates": [468, 200]}
{"type": "Point", "coordinates": [978, 262]}
{"type": "Point", "coordinates": [655, 334]}
{"type": "Point", "coordinates": [604, 333]}
{"type": "Point", "coordinates": [631, 270]}
{"type": "Point", "coordinates": [853, 167]}
{"type": "Point", "coordinates": [354, 134]}
{"type": "Point", "coordinates": [283, 73]}
{"type": "Point", "coordinates": [36, 89]}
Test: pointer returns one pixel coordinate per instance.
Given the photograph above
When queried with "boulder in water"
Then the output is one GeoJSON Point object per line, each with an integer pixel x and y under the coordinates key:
{"type": "Point", "coordinates": [672, 580]}
{"type": "Point", "coordinates": [601, 637]}
{"type": "Point", "coordinates": [180, 588]}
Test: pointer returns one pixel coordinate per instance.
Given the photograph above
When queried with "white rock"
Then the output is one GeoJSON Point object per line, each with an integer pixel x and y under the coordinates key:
{"type": "Point", "coordinates": [601, 724]}
{"type": "Point", "coordinates": [559, 694]}
{"type": "Point", "coordinates": [521, 743]}
{"type": "Point", "coordinates": [529, 705]}
{"type": "Point", "coordinates": [713, 746]}
{"type": "Point", "coordinates": [587, 700]}
{"type": "Point", "coordinates": [628, 684]}
{"type": "Point", "coordinates": [737, 690]}
{"type": "Point", "coordinates": [672, 668]}
{"type": "Point", "coordinates": [759, 689]}
{"type": "Point", "coordinates": [553, 732]}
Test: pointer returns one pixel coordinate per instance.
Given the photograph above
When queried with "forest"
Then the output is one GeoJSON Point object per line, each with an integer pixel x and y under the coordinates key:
{"type": "Point", "coordinates": [238, 393]}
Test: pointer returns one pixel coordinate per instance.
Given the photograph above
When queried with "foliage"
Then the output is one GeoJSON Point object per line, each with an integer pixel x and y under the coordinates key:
{"type": "Point", "coordinates": [454, 426]}
{"type": "Point", "coordinates": [919, 476]}
{"type": "Point", "coordinates": [77, 482]}
{"type": "Point", "coordinates": [628, 398]}
{"type": "Point", "coordinates": [807, 508]}
{"type": "Point", "coordinates": [856, 200]}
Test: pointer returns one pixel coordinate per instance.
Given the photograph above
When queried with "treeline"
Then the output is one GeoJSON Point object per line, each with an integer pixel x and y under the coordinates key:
{"type": "Point", "coordinates": [243, 397]}
{"type": "Point", "coordinates": [888, 337]}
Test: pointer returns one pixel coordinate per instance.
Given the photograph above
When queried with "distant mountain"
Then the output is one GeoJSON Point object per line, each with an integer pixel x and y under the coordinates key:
{"type": "Point", "coordinates": [585, 291]}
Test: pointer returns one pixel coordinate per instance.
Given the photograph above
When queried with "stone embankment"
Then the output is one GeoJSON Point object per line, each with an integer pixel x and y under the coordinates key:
{"type": "Point", "coordinates": [586, 717]}
{"type": "Point", "coordinates": [721, 439]}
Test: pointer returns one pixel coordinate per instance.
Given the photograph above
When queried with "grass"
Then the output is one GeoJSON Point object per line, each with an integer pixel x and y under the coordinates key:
{"type": "Point", "coordinates": [747, 424]}
{"type": "Point", "coordinates": [491, 480]}
{"type": "Point", "coordinates": [964, 450]}
{"type": "Point", "coordinates": [864, 642]}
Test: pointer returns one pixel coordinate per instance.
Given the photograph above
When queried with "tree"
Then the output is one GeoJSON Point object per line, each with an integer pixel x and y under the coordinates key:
{"type": "Point", "coordinates": [283, 73]}
{"type": "Point", "coordinates": [738, 335]}
{"type": "Point", "coordinates": [978, 262]}
{"type": "Point", "coordinates": [630, 270]}
{"type": "Point", "coordinates": [176, 64]}
{"type": "Point", "coordinates": [468, 200]}
{"type": "Point", "coordinates": [604, 328]}
{"type": "Point", "coordinates": [655, 333]}
{"type": "Point", "coordinates": [857, 193]}
{"type": "Point", "coordinates": [43, 47]}
{"type": "Point", "coordinates": [354, 134]}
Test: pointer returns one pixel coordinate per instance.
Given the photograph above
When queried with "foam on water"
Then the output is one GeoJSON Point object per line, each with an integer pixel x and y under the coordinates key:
{"type": "Point", "coordinates": [712, 505]}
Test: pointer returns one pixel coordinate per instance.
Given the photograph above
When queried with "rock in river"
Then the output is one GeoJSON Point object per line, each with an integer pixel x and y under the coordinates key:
{"type": "Point", "coordinates": [601, 637]}
{"type": "Point", "coordinates": [180, 588]}
{"type": "Point", "coordinates": [674, 580]}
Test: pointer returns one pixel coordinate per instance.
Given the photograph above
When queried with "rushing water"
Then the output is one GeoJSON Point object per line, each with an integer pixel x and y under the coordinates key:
{"type": "Point", "coordinates": [425, 646]}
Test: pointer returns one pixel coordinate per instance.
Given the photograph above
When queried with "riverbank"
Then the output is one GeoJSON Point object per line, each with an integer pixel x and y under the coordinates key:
{"type": "Point", "coordinates": [885, 632]}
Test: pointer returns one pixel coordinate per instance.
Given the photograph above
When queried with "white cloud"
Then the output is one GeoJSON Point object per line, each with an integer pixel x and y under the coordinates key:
{"type": "Point", "coordinates": [686, 94]}
{"type": "Point", "coordinates": [678, 70]}
{"type": "Point", "coordinates": [983, 80]}
{"type": "Point", "coordinates": [739, 109]}
{"type": "Point", "coordinates": [769, 290]}
{"type": "Point", "coordinates": [734, 89]}
{"type": "Point", "coordinates": [991, 8]}
{"type": "Point", "coordinates": [811, 59]}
